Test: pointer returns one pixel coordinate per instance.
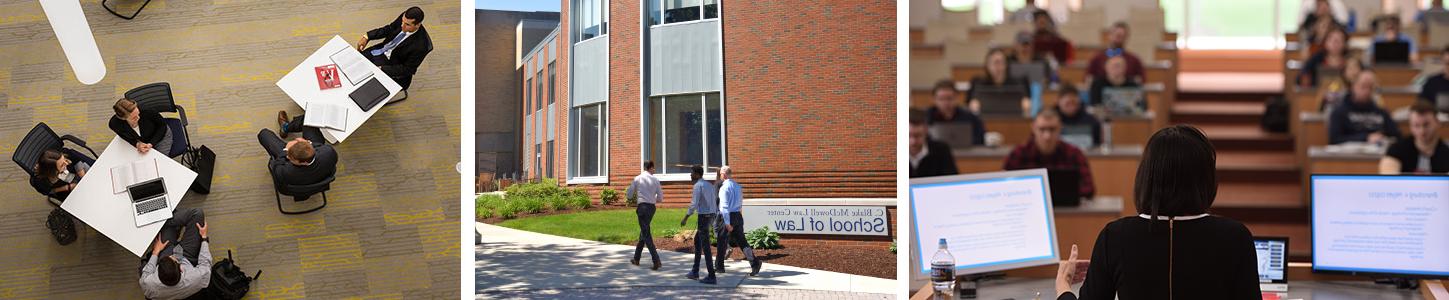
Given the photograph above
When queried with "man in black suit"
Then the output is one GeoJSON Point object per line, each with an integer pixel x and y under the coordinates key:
{"type": "Point", "coordinates": [300, 161]}
{"type": "Point", "coordinates": [404, 45]}
{"type": "Point", "coordinates": [928, 158]}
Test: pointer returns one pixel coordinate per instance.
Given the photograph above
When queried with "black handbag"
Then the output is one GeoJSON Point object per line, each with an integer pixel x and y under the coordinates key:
{"type": "Point", "coordinates": [62, 226]}
{"type": "Point", "coordinates": [203, 162]}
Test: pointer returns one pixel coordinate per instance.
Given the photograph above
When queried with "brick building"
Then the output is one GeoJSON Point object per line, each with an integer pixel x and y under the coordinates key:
{"type": "Point", "coordinates": [798, 97]}
{"type": "Point", "coordinates": [501, 38]}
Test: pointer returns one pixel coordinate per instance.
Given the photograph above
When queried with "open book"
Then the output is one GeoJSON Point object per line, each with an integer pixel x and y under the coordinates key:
{"type": "Point", "coordinates": [325, 115]}
{"type": "Point", "coordinates": [353, 65]}
{"type": "Point", "coordinates": [125, 175]}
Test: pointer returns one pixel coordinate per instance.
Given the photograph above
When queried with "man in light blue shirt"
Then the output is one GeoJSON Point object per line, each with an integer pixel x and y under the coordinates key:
{"type": "Point", "coordinates": [705, 202]}
{"type": "Point", "coordinates": [730, 200]}
{"type": "Point", "coordinates": [646, 189]}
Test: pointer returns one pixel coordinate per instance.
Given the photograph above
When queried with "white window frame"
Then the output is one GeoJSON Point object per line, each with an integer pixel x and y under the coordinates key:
{"type": "Point", "coordinates": [576, 36]}
{"type": "Point", "coordinates": [603, 159]}
{"type": "Point", "coordinates": [660, 4]}
{"type": "Point", "coordinates": [704, 132]}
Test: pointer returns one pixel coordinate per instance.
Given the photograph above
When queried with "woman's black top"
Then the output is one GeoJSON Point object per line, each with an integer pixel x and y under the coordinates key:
{"type": "Point", "coordinates": [1211, 258]}
{"type": "Point", "coordinates": [45, 186]}
{"type": "Point", "coordinates": [153, 128]}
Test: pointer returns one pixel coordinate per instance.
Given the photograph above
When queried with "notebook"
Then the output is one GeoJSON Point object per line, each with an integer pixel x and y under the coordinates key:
{"type": "Point", "coordinates": [369, 94]}
{"type": "Point", "coordinates": [325, 115]}
{"type": "Point", "coordinates": [125, 175]}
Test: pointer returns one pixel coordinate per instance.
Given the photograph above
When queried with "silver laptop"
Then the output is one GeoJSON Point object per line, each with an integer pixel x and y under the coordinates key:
{"type": "Point", "coordinates": [1078, 135]}
{"type": "Point", "coordinates": [1441, 102]}
{"type": "Point", "coordinates": [1124, 101]}
{"type": "Point", "coordinates": [1033, 72]}
{"type": "Point", "coordinates": [1272, 263]}
{"type": "Point", "coordinates": [957, 135]}
{"type": "Point", "coordinates": [1001, 100]}
{"type": "Point", "coordinates": [148, 201]}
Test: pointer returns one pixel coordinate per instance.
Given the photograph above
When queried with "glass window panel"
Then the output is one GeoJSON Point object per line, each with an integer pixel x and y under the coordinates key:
{"type": "Point", "coordinates": [711, 9]}
{"type": "Point", "coordinates": [552, 82]}
{"type": "Point", "coordinates": [655, 126]}
{"type": "Point", "coordinates": [715, 129]}
{"type": "Point", "coordinates": [681, 10]}
{"type": "Point", "coordinates": [548, 157]}
{"type": "Point", "coordinates": [654, 13]}
{"type": "Point", "coordinates": [589, 140]}
{"type": "Point", "coordinates": [573, 156]}
{"type": "Point", "coordinates": [604, 17]}
{"type": "Point", "coordinates": [683, 133]}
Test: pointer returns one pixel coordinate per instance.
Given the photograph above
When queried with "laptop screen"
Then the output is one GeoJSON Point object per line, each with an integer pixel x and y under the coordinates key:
{"type": "Point", "coordinates": [147, 190]}
{"type": "Point", "coordinates": [1272, 259]}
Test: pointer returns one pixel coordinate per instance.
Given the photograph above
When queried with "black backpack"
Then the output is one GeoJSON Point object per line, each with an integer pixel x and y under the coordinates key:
{"type": "Point", "coordinates": [1275, 115]}
{"type": "Point", "coordinates": [228, 282]}
{"type": "Point", "coordinates": [62, 226]}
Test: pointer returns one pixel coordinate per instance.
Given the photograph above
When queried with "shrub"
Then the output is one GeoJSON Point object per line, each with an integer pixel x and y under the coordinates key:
{"type": "Point", "coordinates": [763, 238]}
{"type": "Point", "coordinates": [671, 232]}
{"type": "Point", "coordinates": [531, 205]}
{"type": "Point", "coordinates": [486, 204]}
{"type": "Point", "coordinates": [631, 200]}
{"type": "Point", "coordinates": [508, 210]}
{"type": "Point", "coordinates": [608, 196]}
{"type": "Point", "coordinates": [581, 202]}
{"type": "Point", "coordinates": [893, 247]}
{"type": "Point", "coordinates": [557, 203]}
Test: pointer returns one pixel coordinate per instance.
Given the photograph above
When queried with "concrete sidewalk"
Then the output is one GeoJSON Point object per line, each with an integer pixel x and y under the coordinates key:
{"type": "Point", "coordinates": [515, 263]}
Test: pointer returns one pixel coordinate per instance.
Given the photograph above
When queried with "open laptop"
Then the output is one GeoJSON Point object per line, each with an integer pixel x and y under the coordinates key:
{"type": "Point", "coordinates": [148, 201]}
{"type": "Point", "coordinates": [1001, 100]}
{"type": "Point", "coordinates": [1441, 102]}
{"type": "Point", "coordinates": [1391, 52]}
{"type": "Point", "coordinates": [1065, 187]}
{"type": "Point", "coordinates": [957, 135]}
{"type": "Point", "coordinates": [1272, 263]}
{"type": "Point", "coordinates": [1124, 101]}
{"type": "Point", "coordinates": [1079, 135]}
{"type": "Point", "coordinates": [1033, 72]}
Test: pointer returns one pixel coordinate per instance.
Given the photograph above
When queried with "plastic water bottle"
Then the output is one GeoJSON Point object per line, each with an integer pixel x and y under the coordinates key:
{"type": "Point", "coordinates": [943, 270]}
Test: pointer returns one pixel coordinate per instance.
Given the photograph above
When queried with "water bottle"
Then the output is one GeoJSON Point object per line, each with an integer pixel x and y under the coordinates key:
{"type": "Point", "coordinates": [943, 270]}
{"type": "Point", "coordinates": [1106, 146]}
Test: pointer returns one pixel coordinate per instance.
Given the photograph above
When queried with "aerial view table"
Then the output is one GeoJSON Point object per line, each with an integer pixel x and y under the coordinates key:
{"type": "Point", "coordinates": [301, 85]}
{"type": "Point", "coordinates": [94, 202]}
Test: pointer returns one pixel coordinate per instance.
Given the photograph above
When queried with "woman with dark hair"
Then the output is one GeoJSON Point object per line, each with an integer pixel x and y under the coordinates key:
{"type": "Point", "coordinates": [1333, 56]}
{"type": "Point", "coordinates": [56, 175]}
{"type": "Point", "coordinates": [1173, 249]}
{"type": "Point", "coordinates": [997, 75]}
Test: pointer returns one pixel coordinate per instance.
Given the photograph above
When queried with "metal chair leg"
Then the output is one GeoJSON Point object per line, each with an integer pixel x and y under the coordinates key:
{"type": "Point", "coordinates": [133, 15]}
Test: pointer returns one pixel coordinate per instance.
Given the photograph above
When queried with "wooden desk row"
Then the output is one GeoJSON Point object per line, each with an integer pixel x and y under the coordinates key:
{"type": "Point", "coordinates": [1125, 130]}
{"type": "Point", "coordinates": [1388, 74]}
{"type": "Point", "coordinates": [1112, 167]}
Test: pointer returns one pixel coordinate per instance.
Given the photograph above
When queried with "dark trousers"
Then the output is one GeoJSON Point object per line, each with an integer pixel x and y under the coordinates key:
{"type": "Point", "coordinates": [645, 211]}
{"type": "Point", "coordinates": [171, 233]}
{"type": "Point", "coordinates": [736, 237]}
{"type": "Point", "coordinates": [701, 244]}
{"type": "Point", "coordinates": [274, 144]}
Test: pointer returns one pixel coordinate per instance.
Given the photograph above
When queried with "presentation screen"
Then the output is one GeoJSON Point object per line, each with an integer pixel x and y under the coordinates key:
{"type": "Point", "coordinates": [1381, 224]}
{"type": "Point", "coordinates": [991, 221]}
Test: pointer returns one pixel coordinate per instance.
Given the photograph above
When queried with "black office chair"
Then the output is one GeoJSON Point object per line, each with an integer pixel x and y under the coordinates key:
{"type": "Point", "coordinates": [133, 15]}
{"type": "Point", "coordinates": [406, 81]}
{"type": "Point", "coordinates": [301, 193]}
{"type": "Point", "coordinates": [157, 97]}
{"type": "Point", "coordinates": [42, 138]}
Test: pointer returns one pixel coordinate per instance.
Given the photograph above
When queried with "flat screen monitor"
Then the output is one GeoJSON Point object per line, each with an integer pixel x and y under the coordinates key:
{"type": "Point", "coordinates": [991, 221]}
{"type": "Point", "coordinates": [1380, 225]}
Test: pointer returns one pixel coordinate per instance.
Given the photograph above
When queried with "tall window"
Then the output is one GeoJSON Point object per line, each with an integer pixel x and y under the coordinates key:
{"type": "Point", "coordinates": [551, 82]}
{"type": "Point", "coordinates": [586, 138]}
{"type": "Point", "coordinates": [675, 11]}
{"type": "Point", "coordinates": [685, 130]}
{"type": "Point", "coordinates": [591, 19]}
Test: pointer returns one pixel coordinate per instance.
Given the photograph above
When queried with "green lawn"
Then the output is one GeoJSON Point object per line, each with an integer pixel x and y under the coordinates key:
{"type": "Point", "coordinates": [609, 226]}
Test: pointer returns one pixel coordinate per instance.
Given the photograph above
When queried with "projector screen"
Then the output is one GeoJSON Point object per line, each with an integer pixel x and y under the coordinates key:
{"type": "Point", "coordinates": [1387, 225]}
{"type": "Point", "coordinates": [991, 221]}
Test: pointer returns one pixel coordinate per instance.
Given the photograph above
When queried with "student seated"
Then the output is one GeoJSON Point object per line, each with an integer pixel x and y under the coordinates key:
{"type": "Point", "coordinates": [1024, 60]}
{"type": "Point", "coordinates": [1435, 6]}
{"type": "Point", "coordinates": [300, 161]}
{"type": "Point", "coordinates": [1318, 23]}
{"type": "Point", "coordinates": [1422, 152]}
{"type": "Point", "coordinates": [1047, 40]}
{"type": "Point", "coordinates": [1117, 79]}
{"type": "Point", "coordinates": [1173, 249]}
{"type": "Point", "coordinates": [1045, 149]}
{"type": "Point", "coordinates": [143, 129]}
{"type": "Point", "coordinates": [1333, 56]}
{"type": "Point", "coordinates": [997, 76]}
{"type": "Point", "coordinates": [404, 45]}
{"type": "Point", "coordinates": [56, 174]}
{"type": "Point", "coordinates": [1334, 89]}
{"type": "Point", "coordinates": [1390, 31]}
{"type": "Point", "coordinates": [946, 110]}
{"type": "Point", "coordinates": [178, 265]}
{"type": "Point", "coordinates": [1438, 83]}
{"type": "Point", "coordinates": [1079, 127]}
{"type": "Point", "coordinates": [1359, 118]}
{"type": "Point", "coordinates": [1116, 46]}
{"type": "Point", "coordinates": [928, 157]}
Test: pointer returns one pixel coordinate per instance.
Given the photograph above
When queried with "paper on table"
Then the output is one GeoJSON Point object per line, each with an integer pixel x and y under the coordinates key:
{"type": "Point", "coordinates": [125, 175]}
{"type": "Point", "coordinates": [353, 65]}
{"type": "Point", "coordinates": [325, 115]}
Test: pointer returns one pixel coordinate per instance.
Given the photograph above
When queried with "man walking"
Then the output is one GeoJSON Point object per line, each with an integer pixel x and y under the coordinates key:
{"type": "Point", "coordinates": [730, 200]}
{"type": "Point", "coordinates": [705, 202]}
{"type": "Point", "coordinates": [645, 188]}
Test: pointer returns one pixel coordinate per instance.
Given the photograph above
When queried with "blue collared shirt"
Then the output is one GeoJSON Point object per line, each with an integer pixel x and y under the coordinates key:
{"type": "Point", "coordinates": [705, 199]}
{"type": "Point", "coordinates": [731, 198]}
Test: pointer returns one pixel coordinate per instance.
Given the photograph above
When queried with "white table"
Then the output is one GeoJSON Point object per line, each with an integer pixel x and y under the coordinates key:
{"type": "Point", "coordinates": [301, 85]}
{"type": "Point", "coordinates": [95, 204]}
{"type": "Point", "coordinates": [74, 34]}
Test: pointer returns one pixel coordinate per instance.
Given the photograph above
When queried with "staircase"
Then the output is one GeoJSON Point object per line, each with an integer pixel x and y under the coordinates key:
{"type": "Point", "coordinates": [1259, 180]}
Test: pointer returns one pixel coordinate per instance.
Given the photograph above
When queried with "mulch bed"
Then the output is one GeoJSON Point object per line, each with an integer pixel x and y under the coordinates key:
{"type": "Point", "coordinates": [497, 219]}
{"type": "Point", "coordinates": [857, 260]}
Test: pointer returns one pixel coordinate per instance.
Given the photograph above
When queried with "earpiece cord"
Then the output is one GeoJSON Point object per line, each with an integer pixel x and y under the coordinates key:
{"type": "Point", "coordinates": [1170, 222]}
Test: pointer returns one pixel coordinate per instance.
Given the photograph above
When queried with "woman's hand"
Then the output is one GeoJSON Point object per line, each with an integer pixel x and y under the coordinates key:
{"type": "Point", "coordinates": [1070, 271]}
{"type": "Point", "coordinates": [143, 147]}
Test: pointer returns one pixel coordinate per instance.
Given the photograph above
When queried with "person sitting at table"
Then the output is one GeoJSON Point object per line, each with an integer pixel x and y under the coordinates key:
{"type": "Point", "coordinates": [1075, 117]}
{"type": "Point", "coordinates": [1173, 248]}
{"type": "Point", "coordinates": [1024, 56]}
{"type": "Point", "coordinates": [1116, 78]}
{"type": "Point", "coordinates": [404, 45]}
{"type": "Point", "coordinates": [143, 129]}
{"type": "Point", "coordinates": [1435, 6]}
{"type": "Point", "coordinates": [1438, 83]}
{"type": "Point", "coordinates": [1422, 152]}
{"type": "Point", "coordinates": [945, 109]}
{"type": "Point", "coordinates": [1359, 118]}
{"type": "Point", "coordinates": [1391, 31]}
{"type": "Point", "coordinates": [1334, 55]}
{"type": "Point", "coordinates": [1317, 23]}
{"type": "Point", "coordinates": [1047, 40]}
{"type": "Point", "coordinates": [1116, 46]}
{"type": "Point", "coordinates": [998, 74]}
{"type": "Point", "coordinates": [1045, 149]}
{"type": "Point", "coordinates": [56, 174]}
{"type": "Point", "coordinates": [300, 161]}
{"type": "Point", "coordinates": [928, 157]}
{"type": "Point", "coordinates": [179, 263]}
{"type": "Point", "coordinates": [1333, 90]}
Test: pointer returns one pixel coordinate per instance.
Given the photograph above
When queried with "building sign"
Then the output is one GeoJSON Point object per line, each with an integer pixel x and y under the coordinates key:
{"type": "Point", "coordinates": [803, 219]}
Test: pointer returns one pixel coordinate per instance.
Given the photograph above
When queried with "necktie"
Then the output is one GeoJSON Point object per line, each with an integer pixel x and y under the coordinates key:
{"type": "Point", "coordinates": [385, 48]}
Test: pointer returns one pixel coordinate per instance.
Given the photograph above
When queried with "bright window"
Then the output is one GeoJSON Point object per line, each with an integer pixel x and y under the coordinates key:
{"type": "Point", "coordinates": [675, 11]}
{"type": "Point", "coordinates": [591, 19]}
{"type": "Point", "coordinates": [685, 130]}
{"type": "Point", "coordinates": [587, 138]}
